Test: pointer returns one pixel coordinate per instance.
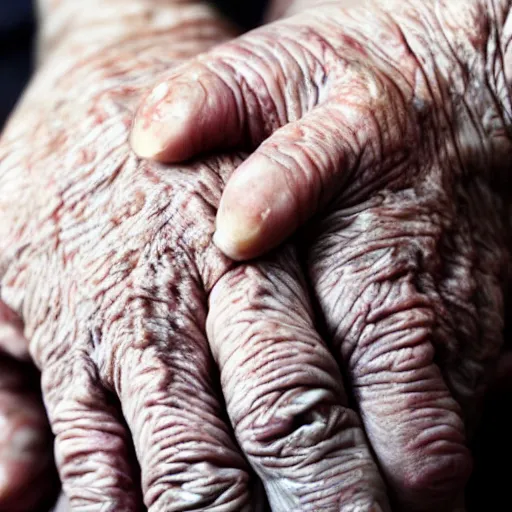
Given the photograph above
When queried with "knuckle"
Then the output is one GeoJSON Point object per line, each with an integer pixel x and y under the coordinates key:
{"type": "Point", "coordinates": [308, 448]}
{"type": "Point", "coordinates": [288, 425]}
{"type": "Point", "coordinates": [299, 424]}
{"type": "Point", "coordinates": [205, 487]}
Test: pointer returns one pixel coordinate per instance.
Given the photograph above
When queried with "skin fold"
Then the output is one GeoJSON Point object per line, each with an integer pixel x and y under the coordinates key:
{"type": "Point", "coordinates": [130, 308]}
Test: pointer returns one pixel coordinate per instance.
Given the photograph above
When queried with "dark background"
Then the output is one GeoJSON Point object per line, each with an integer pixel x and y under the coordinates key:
{"type": "Point", "coordinates": [16, 29]}
{"type": "Point", "coordinates": [16, 37]}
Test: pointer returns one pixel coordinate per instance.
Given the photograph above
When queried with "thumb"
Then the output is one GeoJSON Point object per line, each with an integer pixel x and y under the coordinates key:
{"type": "Point", "coordinates": [290, 176]}
{"type": "Point", "coordinates": [235, 95]}
{"type": "Point", "coordinates": [315, 127]}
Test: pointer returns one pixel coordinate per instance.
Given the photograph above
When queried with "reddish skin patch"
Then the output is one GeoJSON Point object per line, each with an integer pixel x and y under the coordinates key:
{"type": "Point", "coordinates": [86, 156]}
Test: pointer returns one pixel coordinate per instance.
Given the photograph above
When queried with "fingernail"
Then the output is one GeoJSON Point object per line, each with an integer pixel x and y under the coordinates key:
{"type": "Point", "coordinates": [13, 342]}
{"type": "Point", "coordinates": [9, 332]}
{"type": "Point", "coordinates": [166, 116]}
{"type": "Point", "coordinates": [253, 213]}
{"type": "Point", "coordinates": [236, 235]}
{"type": "Point", "coordinates": [244, 209]}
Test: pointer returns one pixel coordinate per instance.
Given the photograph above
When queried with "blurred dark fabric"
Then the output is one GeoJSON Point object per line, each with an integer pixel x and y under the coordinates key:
{"type": "Point", "coordinates": [16, 36]}
{"type": "Point", "coordinates": [16, 31]}
{"type": "Point", "coordinates": [247, 13]}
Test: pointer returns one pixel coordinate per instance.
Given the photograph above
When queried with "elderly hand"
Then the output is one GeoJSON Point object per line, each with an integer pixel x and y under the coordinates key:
{"type": "Point", "coordinates": [394, 120]}
{"type": "Point", "coordinates": [110, 264]}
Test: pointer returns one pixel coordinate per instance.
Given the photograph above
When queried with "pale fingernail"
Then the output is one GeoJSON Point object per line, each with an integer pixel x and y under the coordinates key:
{"type": "Point", "coordinates": [10, 334]}
{"type": "Point", "coordinates": [166, 115]}
{"type": "Point", "coordinates": [237, 234]}
{"type": "Point", "coordinates": [243, 210]}
{"type": "Point", "coordinates": [254, 212]}
{"type": "Point", "coordinates": [13, 342]}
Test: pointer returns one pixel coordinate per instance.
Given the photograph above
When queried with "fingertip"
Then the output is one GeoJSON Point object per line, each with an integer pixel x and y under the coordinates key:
{"type": "Point", "coordinates": [13, 477]}
{"type": "Point", "coordinates": [236, 248]}
{"type": "Point", "coordinates": [257, 211]}
{"type": "Point", "coordinates": [164, 128]}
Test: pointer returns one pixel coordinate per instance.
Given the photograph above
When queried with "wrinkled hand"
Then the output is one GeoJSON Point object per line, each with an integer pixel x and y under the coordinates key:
{"type": "Point", "coordinates": [345, 102]}
{"type": "Point", "coordinates": [109, 262]}
{"type": "Point", "coordinates": [396, 123]}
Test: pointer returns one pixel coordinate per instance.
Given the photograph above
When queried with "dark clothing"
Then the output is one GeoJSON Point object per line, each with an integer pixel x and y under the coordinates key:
{"type": "Point", "coordinates": [16, 35]}
{"type": "Point", "coordinates": [247, 13]}
{"type": "Point", "coordinates": [16, 30]}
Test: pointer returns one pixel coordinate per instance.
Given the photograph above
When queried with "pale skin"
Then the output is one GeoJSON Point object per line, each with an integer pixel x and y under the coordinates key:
{"type": "Point", "coordinates": [350, 113]}
{"type": "Point", "coordinates": [319, 110]}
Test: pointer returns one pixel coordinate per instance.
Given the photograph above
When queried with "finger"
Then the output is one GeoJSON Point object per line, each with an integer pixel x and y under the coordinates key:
{"type": "Point", "coordinates": [235, 94]}
{"type": "Point", "coordinates": [27, 475]}
{"type": "Point", "coordinates": [285, 396]}
{"type": "Point", "coordinates": [92, 447]}
{"type": "Point", "coordinates": [318, 127]}
{"type": "Point", "coordinates": [291, 175]}
{"type": "Point", "coordinates": [469, 293]}
{"type": "Point", "coordinates": [368, 269]}
{"type": "Point", "coordinates": [166, 383]}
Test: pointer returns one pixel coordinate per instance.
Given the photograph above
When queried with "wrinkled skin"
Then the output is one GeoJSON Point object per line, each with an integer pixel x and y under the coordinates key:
{"type": "Point", "coordinates": [343, 102]}
{"type": "Point", "coordinates": [395, 121]}
{"type": "Point", "coordinates": [109, 261]}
